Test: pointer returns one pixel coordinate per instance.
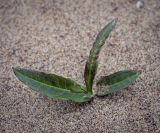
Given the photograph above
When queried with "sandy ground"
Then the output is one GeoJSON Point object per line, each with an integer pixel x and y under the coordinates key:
{"type": "Point", "coordinates": [56, 36]}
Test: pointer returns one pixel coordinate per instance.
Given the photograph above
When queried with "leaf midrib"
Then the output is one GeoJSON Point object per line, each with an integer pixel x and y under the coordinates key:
{"type": "Point", "coordinates": [133, 76]}
{"type": "Point", "coordinates": [119, 81]}
{"type": "Point", "coordinates": [125, 79]}
{"type": "Point", "coordinates": [44, 83]}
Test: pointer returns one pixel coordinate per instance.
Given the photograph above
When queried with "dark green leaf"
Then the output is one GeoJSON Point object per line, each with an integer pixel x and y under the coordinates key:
{"type": "Point", "coordinates": [52, 85]}
{"type": "Point", "coordinates": [92, 63]}
{"type": "Point", "coordinates": [118, 81]}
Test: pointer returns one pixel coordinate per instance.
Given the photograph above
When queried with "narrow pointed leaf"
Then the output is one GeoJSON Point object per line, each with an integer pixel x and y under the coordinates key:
{"type": "Point", "coordinates": [92, 63]}
{"type": "Point", "coordinates": [117, 81]}
{"type": "Point", "coordinates": [52, 85]}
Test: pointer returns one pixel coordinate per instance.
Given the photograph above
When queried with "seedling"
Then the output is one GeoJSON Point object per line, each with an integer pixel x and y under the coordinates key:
{"type": "Point", "coordinates": [63, 88]}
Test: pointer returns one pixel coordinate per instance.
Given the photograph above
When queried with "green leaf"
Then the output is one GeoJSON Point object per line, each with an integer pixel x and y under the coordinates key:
{"type": "Point", "coordinates": [52, 85]}
{"type": "Point", "coordinates": [92, 63]}
{"type": "Point", "coordinates": [118, 81]}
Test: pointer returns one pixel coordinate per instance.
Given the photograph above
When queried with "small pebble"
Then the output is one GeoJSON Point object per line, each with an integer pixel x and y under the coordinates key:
{"type": "Point", "coordinates": [139, 4]}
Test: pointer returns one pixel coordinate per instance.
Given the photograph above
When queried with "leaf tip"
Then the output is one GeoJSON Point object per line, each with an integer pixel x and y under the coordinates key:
{"type": "Point", "coordinates": [15, 69]}
{"type": "Point", "coordinates": [137, 73]}
{"type": "Point", "coordinates": [114, 21]}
